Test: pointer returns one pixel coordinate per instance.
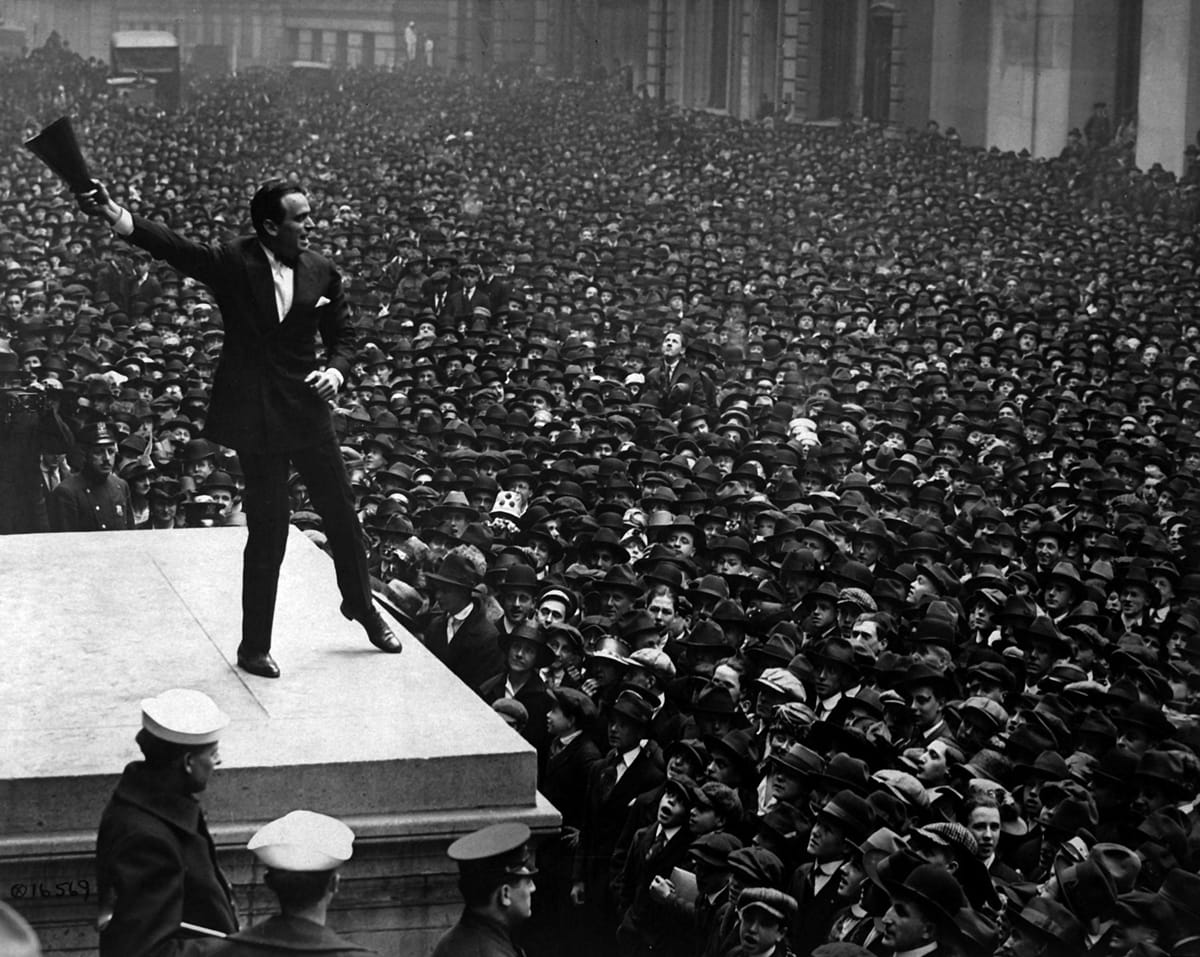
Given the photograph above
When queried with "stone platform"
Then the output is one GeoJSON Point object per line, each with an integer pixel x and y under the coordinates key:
{"type": "Point", "coordinates": [394, 745]}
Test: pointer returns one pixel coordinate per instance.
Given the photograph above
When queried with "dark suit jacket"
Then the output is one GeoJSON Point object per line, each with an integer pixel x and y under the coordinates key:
{"type": "Point", "coordinates": [641, 915]}
{"type": "Point", "coordinates": [260, 401]}
{"type": "Point", "coordinates": [498, 292]}
{"type": "Point", "coordinates": [278, 937]}
{"type": "Point", "coordinates": [816, 911]}
{"type": "Point", "coordinates": [564, 781]}
{"type": "Point", "coordinates": [536, 699]}
{"type": "Point", "coordinates": [156, 866]}
{"type": "Point", "coordinates": [680, 386]}
{"type": "Point", "coordinates": [608, 803]}
{"type": "Point", "coordinates": [474, 654]}
{"type": "Point", "coordinates": [461, 306]}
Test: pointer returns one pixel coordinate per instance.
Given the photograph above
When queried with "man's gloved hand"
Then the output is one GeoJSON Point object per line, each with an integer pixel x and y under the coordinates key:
{"type": "Point", "coordinates": [96, 202]}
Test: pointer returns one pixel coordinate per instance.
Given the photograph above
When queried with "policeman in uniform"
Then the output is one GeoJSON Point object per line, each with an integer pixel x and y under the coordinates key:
{"type": "Point", "coordinates": [495, 876]}
{"type": "Point", "coordinates": [93, 499]}
{"type": "Point", "coordinates": [302, 852]}
{"type": "Point", "coordinates": [155, 860]}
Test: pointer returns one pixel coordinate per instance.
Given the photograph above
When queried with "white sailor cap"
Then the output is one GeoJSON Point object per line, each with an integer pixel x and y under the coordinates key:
{"type": "Point", "coordinates": [183, 716]}
{"type": "Point", "coordinates": [303, 841]}
{"type": "Point", "coordinates": [17, 938]}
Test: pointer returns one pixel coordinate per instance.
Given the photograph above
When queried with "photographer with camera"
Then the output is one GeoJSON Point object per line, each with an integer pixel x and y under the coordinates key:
{"type": "Point", "coordinates": [30, 427]}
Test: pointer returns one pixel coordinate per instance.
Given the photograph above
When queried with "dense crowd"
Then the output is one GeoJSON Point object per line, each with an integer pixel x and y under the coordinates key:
{"type": "Point", "coordinates": [822, 504]}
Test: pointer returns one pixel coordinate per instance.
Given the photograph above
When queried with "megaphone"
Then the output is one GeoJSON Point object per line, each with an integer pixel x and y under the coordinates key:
{"type": "Point", "coordinates": [57, 147]}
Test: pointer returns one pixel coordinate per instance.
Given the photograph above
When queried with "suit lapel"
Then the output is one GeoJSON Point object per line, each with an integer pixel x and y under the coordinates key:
{"type": "Point", "coordinates": [262, 288]}
{"type": "Point", "coordinates": [306, 290]}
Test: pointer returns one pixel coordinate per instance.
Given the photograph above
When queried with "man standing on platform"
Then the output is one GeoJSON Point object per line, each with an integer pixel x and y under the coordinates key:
{"type": "Point", "coordinates": [155, 860]}
{"type": "Point", "coordinates": [302, 852]}
{"type": "Point", "coordinates": [271, 393]}
{"type": "Point", "coordinates": [495, 875]}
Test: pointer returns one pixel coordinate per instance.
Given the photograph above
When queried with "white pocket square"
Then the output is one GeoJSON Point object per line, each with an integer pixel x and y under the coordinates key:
{"type": "Point", "coordinates": [323, 301]}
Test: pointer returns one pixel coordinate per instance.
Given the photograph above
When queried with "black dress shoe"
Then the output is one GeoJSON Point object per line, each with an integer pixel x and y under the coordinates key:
{"type": "Point", "coordinates": [262, 665]}
{"type": "Point", "coordinates": [381, 635]}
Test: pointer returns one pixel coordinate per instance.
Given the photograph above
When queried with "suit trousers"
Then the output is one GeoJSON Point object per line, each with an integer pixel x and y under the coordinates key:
{"type": "Point", "coordinates": [268, 514]}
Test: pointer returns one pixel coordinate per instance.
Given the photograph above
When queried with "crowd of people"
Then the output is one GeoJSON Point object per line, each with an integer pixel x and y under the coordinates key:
{"type": "Point", "coordinates": [823, 506]}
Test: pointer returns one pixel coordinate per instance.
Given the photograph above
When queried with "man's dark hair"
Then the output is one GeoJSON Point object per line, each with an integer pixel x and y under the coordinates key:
{"type": "Point", "coordinates": [298, 889]}
{"type": "Point", "coordinates": [160, 754]}
{"type": "Point", "coordinates": [477, 888]}
{"type": "Point", "coordinates": [268, 203]}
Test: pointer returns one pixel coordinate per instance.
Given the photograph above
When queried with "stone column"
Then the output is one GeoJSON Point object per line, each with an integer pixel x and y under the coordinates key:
{"type": "Point", "coordinates": [1169, 83]}
{"type": "Point", "coordinates": [789, 43]}
{"type": "Point", "coordinates": [541, 32]}
{"type": "Point", "coordinates": [1029, 76]}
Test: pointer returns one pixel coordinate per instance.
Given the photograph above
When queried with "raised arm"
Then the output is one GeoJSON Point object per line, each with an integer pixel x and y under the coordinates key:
{"type": "Point", "coordinates": [197, 260]}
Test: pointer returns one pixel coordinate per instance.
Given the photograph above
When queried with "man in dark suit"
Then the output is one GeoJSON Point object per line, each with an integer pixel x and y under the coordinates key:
{"type": "Point", "coordinates": [494, 283]}
{"type": "Point", "coordinates": [844, 820]}
{"type": "Point", "coordinates": [463, 303]}
{"type": "Point", "coordinates": [459, 632]}
{"type": "Point", "coordinates": [155, 860]}
{"type": "Point", "coordinates": [656, 850]}
{"type": "Point", "coordinates": [271, 393]}
{"type": "Point", "coordinates": [675, 379]}
{"type": "Point", "coordinates": [632, 767]}
{"type": "Point", "coordinates": [563, 782]}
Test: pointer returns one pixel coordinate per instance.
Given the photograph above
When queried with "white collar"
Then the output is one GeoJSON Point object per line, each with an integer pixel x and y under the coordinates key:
{"type": "Point", "coordinates": [274, 261]}
{"type": "Point", "coordinates": [463, 613]}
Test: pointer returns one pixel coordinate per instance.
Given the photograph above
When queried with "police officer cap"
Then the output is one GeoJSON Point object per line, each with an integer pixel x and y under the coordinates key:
{"type": "Point", "coordinates": [501, 849]}
{"type": "Point", "coordinates": [183, 716]}
{"type": "Point", "coordinates": [97, 433]}
{"type": "Point", "coordinates": [303, 841]}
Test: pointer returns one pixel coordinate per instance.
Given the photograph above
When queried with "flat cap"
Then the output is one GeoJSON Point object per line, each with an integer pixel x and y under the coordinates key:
{"type": "Point", "coordinates": [782, 905]}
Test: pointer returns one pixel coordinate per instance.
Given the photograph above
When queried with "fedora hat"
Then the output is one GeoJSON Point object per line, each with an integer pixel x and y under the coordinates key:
{"type": "Point", "coordinates": [799, 761]}
{"type": "Point", "coordinates": [455, 572]}
{"type": "Point", "coordinates": [850, 813]}
{"type": "Point", "coordinates": [528, 631]}
{"type": "Point", "coordinates": [919, 675]}
{"type": "Point", "coordinates": [737, 745]}
{"type": "Point", "coordinates": [1046, 918]}
{"type": "Point", "coordinates": [1085, 887]}
{"type": "Point", "coordinates": [935, 891]}
{"type": "Point", "coordinates": [619, 578]}
{"type": "Point", "coordinates": [605, 537]}
{"type": "Point", "coordinates": [845, 773]}
{"type": "Point", "coordinates": [838, 651]}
